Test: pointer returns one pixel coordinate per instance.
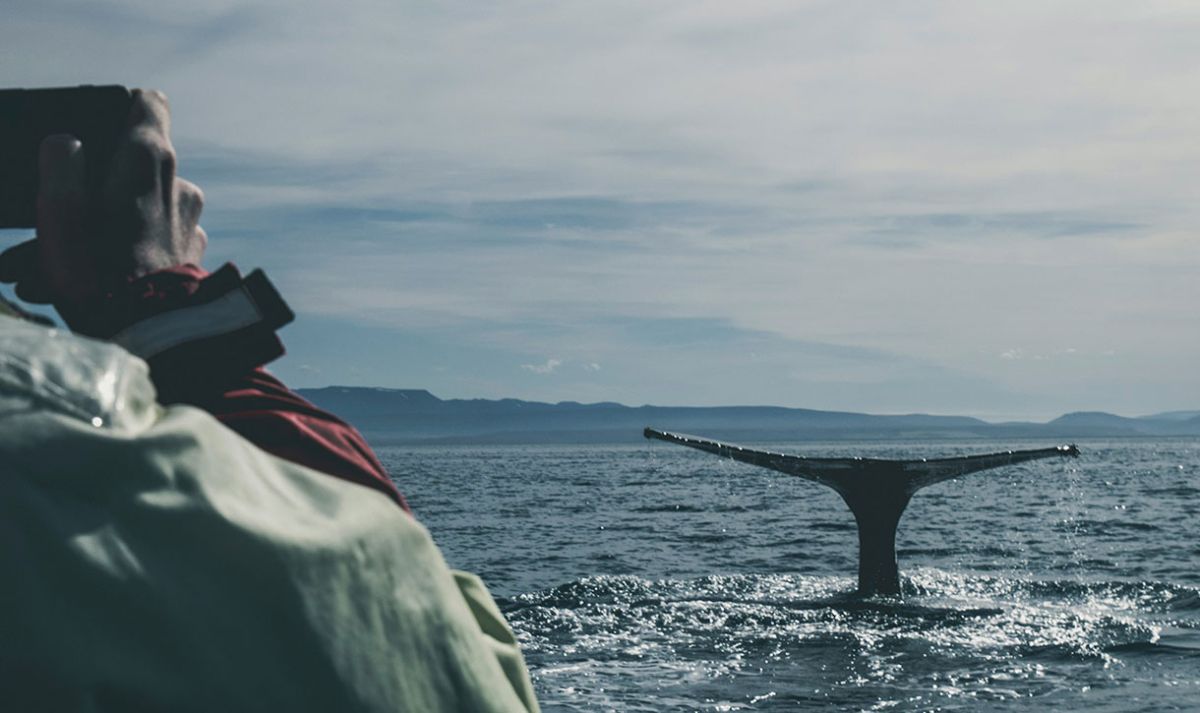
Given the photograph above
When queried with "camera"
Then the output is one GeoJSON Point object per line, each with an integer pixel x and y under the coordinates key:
{"type": "Point", "coordinates": [95, 115]}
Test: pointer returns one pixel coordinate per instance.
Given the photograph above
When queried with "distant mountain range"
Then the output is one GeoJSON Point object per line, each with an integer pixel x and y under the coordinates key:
{"type": "Point", "coordinates": [411, 416]}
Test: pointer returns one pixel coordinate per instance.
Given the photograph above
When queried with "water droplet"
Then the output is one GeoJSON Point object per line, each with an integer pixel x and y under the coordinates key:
{"type": "Point", "coordinates": [97, 421]}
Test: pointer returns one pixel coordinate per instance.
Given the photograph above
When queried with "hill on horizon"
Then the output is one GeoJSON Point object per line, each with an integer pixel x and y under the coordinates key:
{"type": "Point", "coordinates": [411, 416]}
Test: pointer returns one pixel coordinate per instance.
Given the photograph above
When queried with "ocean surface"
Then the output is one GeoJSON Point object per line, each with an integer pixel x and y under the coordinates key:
{"type": "Point", "coordinates": [658, 578]}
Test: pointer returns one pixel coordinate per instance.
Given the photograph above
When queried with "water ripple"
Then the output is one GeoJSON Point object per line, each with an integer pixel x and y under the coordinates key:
{"type": "Point", "coordinates": [658, 579]}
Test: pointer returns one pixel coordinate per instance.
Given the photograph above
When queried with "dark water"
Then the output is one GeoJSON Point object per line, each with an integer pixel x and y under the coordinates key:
{"type": "Point", "coordinates": [656, 578]}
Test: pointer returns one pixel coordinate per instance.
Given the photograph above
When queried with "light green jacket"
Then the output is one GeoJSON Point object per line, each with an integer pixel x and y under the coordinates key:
{"type": "Point", "coordinates": [153, 560]}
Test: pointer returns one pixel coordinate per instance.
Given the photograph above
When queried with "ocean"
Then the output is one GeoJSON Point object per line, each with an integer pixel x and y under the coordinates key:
{"type": "Point", "coordinates": [657, 578]}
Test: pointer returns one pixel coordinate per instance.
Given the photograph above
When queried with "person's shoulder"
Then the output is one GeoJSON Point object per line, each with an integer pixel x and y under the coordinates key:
{"type": "Point", "coordinates": [46, 371]}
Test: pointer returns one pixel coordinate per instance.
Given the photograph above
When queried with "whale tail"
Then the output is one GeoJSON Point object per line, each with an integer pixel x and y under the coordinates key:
{"type": "Point", "coordinates": [876, 490]}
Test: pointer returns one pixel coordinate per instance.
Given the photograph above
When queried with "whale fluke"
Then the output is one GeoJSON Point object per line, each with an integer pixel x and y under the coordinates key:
{"type": "Point", "coordinates": [876, 490]}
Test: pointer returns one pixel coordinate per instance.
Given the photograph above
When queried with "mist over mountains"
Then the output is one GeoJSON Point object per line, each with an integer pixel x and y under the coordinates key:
{"type": "Point", "coordinates": [414, 416]}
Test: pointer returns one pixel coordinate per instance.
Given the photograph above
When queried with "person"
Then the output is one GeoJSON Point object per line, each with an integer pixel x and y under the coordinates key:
{"type": "Point", "coordinates": [178, 529]}
{"type": "Point", "coordinates": [135, 270]}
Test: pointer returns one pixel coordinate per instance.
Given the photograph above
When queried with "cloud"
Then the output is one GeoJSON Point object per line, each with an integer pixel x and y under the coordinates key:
{"type": "Point", "coordinates": [961, 226]}
{"type": "Point", "coordinates": [851, 187]}
{"type": "Point", "coordinates": [547, 368]}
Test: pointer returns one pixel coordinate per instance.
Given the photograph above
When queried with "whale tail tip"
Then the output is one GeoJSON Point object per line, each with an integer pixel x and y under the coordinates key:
{"type": "Point", "coordinates": [877, 491]}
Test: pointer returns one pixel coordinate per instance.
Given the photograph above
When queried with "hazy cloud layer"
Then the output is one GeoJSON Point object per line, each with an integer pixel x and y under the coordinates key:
{"type": "Point", "coordinates": [874, 203]}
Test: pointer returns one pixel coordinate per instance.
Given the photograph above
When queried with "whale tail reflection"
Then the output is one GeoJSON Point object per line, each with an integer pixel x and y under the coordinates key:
{"type": "Point", "coordinates": [876, 490]}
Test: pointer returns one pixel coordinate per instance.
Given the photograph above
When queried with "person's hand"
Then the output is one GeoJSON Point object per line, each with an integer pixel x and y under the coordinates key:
{"type": "Point", "coordinates": [148, 219]}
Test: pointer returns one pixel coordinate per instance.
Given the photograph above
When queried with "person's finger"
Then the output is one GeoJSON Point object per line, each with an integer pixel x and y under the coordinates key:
{"type": "Point", "coordinates": [20, 262]}
{"type": "Point", "coordinates": [60, 166]}
{"type": "Point", "coordinates": [199, 245]}
{"type": "Point", "coordinates": [62, 190]}
{"type": "Point", "coordinates": [150, 109]}
{"type": "Point", "coordinates": [192, 240]}
{"type": "Point", "coordinates": [61, 202]}
{"type": "Point", "coordinates": [143, 163]}
{"type": "Point", "coordinates": [190, 201]}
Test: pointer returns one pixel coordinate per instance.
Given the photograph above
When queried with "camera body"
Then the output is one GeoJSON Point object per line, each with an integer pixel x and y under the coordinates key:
{"type": "Point", "coordinates": [95, 115]}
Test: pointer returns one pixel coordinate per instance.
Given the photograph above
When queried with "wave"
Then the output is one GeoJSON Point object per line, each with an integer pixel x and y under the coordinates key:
{"type": "Point", "coordinates": [951, 613]}
{"type": "Point", "coordinates": [1156, 648]}
{"type": "Point", "coordinates": [1111, 527]}
{"type": "Point", "coordinates": [923, 582]}
{"type": "Point", "coordinates": [669, 508]}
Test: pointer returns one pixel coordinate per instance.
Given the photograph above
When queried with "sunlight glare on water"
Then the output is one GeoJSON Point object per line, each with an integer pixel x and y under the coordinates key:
{"type": "Point", "coordinates": [655, 578]}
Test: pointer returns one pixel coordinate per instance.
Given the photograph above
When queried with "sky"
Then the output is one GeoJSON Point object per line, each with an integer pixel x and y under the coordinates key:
{"type": "Point", "coordinates": [933, 206]}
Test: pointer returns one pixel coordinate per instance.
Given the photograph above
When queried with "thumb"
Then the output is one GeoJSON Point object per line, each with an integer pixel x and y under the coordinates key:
{"type": "Point", "coordinates": [60, 168]}
{"type": "Point", "coordinates": [61, 203]}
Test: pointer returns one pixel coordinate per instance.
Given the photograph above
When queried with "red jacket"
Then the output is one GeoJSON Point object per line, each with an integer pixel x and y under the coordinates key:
{"type": "Point", "coordinates": [165, 318]}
